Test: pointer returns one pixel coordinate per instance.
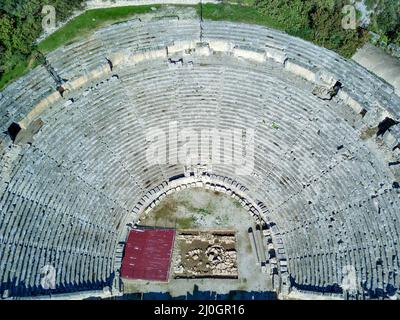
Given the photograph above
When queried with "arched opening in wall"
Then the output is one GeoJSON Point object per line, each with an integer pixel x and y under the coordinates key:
{"type": "Point", "coordinates": [219, 244]}
{"type": "Point", "coordinates": [385, 125]}
{"type": "Point", "coordinates": [20, 135]}
{"type": "Point", "coordinates": [13, 130]}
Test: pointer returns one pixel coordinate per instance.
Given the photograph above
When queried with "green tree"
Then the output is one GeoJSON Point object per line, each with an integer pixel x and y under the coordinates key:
{"type": "Point", "coordinates": [319, 21]}
{"type": "Point", "coordinates": [20, 25]}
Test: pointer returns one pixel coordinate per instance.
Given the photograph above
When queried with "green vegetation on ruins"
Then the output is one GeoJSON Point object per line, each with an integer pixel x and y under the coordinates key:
{"type": "Point", "coordinates": [193, 208]}
{"type": "Point", "coordinates": [21, 25]}
{"type": "Point", "coordinates": [385, 21]}
{"type": "Point", "coordinates": [166, 212]}
{"type": "Point", "coordinates": [88, 22]}
{"type": "Point", "coordinates": [318, 21]}
{"type": "Point", "coordinates": [185, 223]}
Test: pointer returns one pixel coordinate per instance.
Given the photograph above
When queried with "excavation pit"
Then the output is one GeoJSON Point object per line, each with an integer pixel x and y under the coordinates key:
{"type": "Point", "coordinates": [205, 254]}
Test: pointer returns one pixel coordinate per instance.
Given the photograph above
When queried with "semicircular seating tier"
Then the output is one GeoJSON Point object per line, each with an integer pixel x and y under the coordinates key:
{"type": "Point", "coordinates": [74, 169]}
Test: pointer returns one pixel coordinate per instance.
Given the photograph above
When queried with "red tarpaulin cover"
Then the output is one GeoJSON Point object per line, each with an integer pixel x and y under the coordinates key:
{"type": "Point", "coordinates": [148, 254]}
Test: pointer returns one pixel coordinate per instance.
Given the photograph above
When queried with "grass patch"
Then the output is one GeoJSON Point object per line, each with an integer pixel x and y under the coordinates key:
{"type": "Point", "coordinates": [345, 43]}
{"type": "Point", "coordinates": [237, 204]}
{"type": "Point", "coordinates": [78, 28]}
{"type": "Point", "coordinates": [20, 69]}
{"type": "Point", "coordinates": [208, 210]}
{"type": "Point", "coordinates": [88, 22]}
{"type": "Point", "coordinates": [185, 223]}
{"type": "Point", "coordinates": [166, 210]}
{"type": "Point", "coordinates": [237, 13]}
{"type": "Point", "coordinates": [203, 211]}
{"type": "Point", "coordinates": [274, 126]}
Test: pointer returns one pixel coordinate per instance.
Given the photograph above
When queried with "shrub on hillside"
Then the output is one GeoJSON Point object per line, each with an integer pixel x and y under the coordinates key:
{"type": "Point", "coordinates": [319, 21]}
{"type": "Point", "coordinates": [21, 24]}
